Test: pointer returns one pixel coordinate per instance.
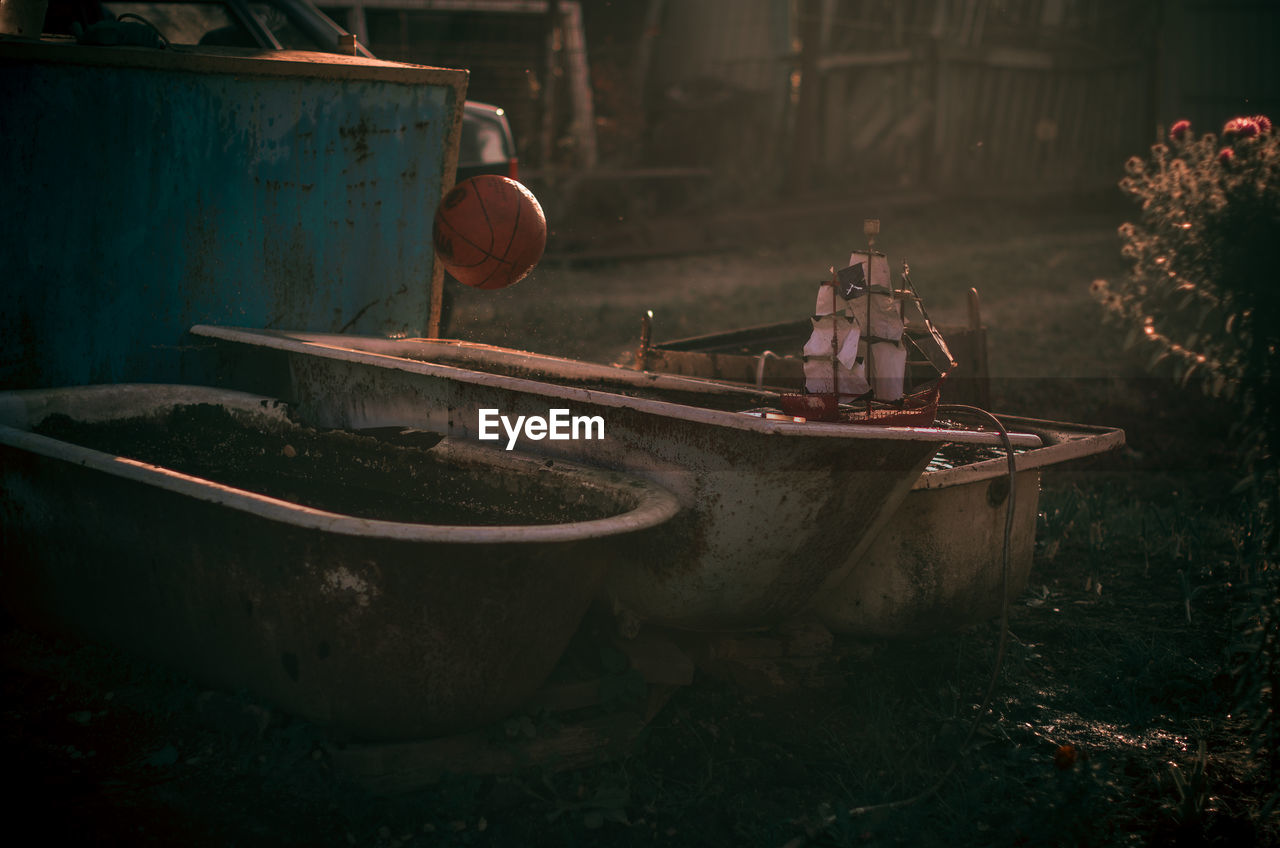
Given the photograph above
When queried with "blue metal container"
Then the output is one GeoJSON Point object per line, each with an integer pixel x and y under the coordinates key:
{"type": "Point", "coordinates": [150, 190]}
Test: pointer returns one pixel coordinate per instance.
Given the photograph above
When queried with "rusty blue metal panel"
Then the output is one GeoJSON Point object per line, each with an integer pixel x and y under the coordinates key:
{"type": "Point", "coordinates": [149, 191]}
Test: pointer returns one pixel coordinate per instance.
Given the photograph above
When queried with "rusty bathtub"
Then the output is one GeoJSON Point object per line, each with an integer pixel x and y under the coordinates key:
{"type": "Point", "coordinates": [937, 564]}
{"type": "Point", "coordinates": [772, 508]}
{"type": "Point", "coordinates": [249, 552]}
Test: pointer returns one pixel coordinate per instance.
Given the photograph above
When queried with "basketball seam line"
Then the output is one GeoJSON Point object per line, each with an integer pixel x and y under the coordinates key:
{"type": "Point", "coordinates": [487, 251]}
{"type": "Point", "coordinates": [484, 211]}
{"type": "Point", "coordinates": [515, 228]}
{"type": "Point", "coordinates": [487, 255]}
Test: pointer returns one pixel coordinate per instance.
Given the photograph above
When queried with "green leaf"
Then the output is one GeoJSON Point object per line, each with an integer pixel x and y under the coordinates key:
{"type": "Point", "coordinates": [1219, 383]}
{"type": "Point", "coordinates": [1244, 485]}
{"type": "Point", "coordinates": [1205, 312]}
{"type": "Point", "coordinates": [1186, 376]}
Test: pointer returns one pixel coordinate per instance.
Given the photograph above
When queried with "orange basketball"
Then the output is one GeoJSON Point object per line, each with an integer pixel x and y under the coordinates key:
{"type": "Point", "coordinates": [489, 232]}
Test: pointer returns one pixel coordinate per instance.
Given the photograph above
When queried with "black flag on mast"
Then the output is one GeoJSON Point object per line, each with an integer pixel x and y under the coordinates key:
{"type": "Point", "coordinates": [852, 281]}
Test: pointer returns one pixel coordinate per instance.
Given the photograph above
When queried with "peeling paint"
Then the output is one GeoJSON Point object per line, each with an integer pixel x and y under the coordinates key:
{"type": "Point", "coordinates": [342, 579]}
{"type": "Point", "coordinates": [207, 196]}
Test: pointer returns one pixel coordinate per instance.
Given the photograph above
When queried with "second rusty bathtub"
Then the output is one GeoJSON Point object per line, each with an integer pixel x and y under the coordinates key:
{"type": "Point", "coordinates": [390, 591]}
{"type": "Point", "coordinates": [937, 564]}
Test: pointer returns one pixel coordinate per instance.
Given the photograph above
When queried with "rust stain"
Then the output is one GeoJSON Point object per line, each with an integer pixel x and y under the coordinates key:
{"type": "Point", "coordinates": [358, 135]}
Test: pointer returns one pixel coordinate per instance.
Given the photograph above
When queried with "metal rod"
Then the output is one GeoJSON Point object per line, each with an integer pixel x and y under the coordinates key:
{"type": "Point", "coordinates": [646, 331]}
{"type": "Point", "coordinates": [835, 352]}
{"type": "Point", "coordinates": [870, 228]}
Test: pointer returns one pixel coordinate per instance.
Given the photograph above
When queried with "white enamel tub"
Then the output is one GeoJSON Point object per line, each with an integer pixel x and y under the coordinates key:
{"type": "Point", "coordinates": [771, 509]}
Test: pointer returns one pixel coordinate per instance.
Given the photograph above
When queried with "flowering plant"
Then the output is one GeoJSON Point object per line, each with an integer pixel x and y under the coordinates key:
{"type": "Point", "coordinates": [1203, 294]}
{"type": "Point", "coordinates": [1205, 252]}
{"type": "Point", "coordinates": [1203, 297]}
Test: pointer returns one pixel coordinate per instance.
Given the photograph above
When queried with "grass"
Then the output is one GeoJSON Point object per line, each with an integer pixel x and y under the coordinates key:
{"type": "Point", "coordinates": [1113, 722]}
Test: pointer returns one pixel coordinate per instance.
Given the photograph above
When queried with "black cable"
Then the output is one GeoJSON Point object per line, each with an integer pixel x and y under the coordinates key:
{"type": "Point", "coordinates": [954, 408]}
{"type": "Point", "coordinates": [961, 409]}
{"type": "Point", "coordinates": [164, 42]}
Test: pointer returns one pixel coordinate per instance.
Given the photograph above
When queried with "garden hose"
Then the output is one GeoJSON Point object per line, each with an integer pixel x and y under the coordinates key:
{"type": "Point", "coordinates": [959, 409]}
{"type": "Point", "coordinates": [1005, 554]}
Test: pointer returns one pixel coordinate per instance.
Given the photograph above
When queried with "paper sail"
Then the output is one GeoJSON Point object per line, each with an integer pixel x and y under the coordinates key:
{"type": "Point", "coordinates": [886, 315]}
{"type": "Point", "coordinates": [841, 310]}
{"type": "Point", "coordinates": [888, 365]}
{"type": "Point", "coordinates": [827, 304]}
{"type": "Point", "coordinates": [819, 343]}
{"type": "Point", "coordinates": [879, 267]}
{"type": "Point", "coordinates": [851, 351]}
{"type": "Point", "coordinates": [817, 378]}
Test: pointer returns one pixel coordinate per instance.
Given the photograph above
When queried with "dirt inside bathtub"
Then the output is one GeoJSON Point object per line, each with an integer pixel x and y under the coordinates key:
{"type": "Point", "coordinates": [333, 470]}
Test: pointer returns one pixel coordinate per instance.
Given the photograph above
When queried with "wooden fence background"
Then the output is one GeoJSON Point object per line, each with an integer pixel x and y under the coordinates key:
{"type": "Point", "coordinates": [977, 97]}
{"type": "Point", "coordinates": [754, 97]}
{"type": "Point", "coordinates": [1219, 60]}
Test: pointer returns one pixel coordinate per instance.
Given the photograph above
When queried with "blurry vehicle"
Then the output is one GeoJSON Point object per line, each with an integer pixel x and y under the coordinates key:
{"type": "Point", "coordinates": [486, 145]}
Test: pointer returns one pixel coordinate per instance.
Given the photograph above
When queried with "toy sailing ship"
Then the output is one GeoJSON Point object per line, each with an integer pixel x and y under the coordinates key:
{"type": "Point", "coordinates": [856, 361]}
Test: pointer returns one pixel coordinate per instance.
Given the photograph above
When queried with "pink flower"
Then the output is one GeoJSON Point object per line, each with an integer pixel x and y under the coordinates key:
{"type": "Point", "coordinates": [1180, 130]}
{"type": "Point", "coordinates": [1241, 128]}
{"type": "Point", "coordinates": [1263, 122]}
{"type": "Point", "coordinates": [1226, 155]}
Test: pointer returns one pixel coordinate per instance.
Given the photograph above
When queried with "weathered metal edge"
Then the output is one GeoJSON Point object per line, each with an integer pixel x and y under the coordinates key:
{"type": "Point", "coordinates": [1062, 442]}
{"type": "Point", "coordinates": [239, 61]}
{"type": "Point", "coordinates": [283, 340]}
{"type": "Point", "coordinates": [654, 506]}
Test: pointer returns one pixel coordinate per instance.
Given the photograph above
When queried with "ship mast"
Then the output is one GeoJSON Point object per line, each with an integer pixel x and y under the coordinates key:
{"type": "Point", "coordinates": [871, 229]}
